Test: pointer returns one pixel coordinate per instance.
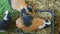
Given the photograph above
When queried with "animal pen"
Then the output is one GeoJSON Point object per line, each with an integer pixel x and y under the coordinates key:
{"type": "Point", "coordinates": [52, 21]}
{"type": "Point", "coordinates": [8, 7]}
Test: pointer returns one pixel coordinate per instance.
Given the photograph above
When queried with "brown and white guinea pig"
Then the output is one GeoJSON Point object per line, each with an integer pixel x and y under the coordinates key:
{"type": "Point", "coordinates": [37, 23]}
